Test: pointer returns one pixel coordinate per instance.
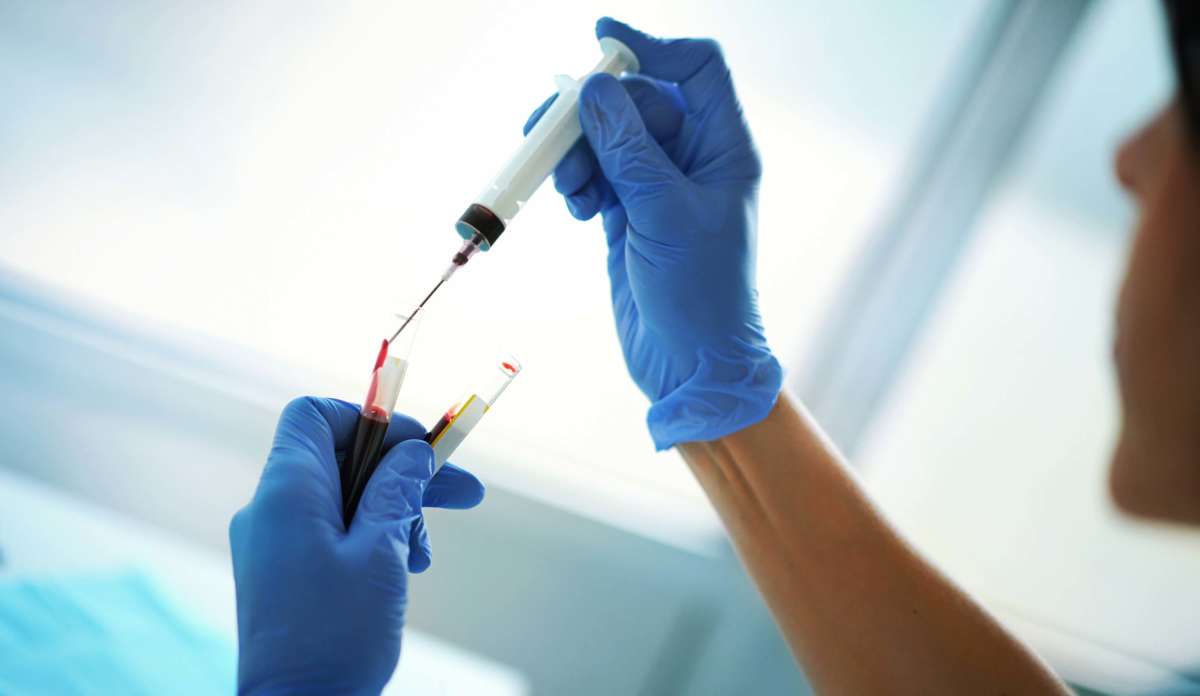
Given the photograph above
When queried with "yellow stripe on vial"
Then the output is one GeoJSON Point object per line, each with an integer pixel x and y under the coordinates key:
{"type": "Point", "coordinates": [460, 419]}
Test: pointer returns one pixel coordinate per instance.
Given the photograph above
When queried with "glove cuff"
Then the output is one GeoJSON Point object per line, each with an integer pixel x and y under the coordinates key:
{"type": "Point", "coordinates": [725, 394]}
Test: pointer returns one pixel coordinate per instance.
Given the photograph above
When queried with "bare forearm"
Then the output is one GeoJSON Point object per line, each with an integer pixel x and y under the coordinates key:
{"type": "Point", "coordinates": [861, 610]}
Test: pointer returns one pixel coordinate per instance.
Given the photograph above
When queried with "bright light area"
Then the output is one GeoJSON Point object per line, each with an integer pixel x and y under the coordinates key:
{"type": "Point", "coordinates": [286, 176]}
{"type": "Point", "coordinates": [992, 453]}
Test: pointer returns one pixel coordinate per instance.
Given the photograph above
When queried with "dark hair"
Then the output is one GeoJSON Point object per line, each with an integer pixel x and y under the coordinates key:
{"type": "Point", "coordinates": [1183, 22]}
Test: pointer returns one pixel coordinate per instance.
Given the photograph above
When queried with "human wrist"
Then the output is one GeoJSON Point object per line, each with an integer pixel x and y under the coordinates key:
{"type": "Point", "coordinates": [295, 669]}
{"type": "Point", "coordinates": [303, 686]}
{"type": "Point", "coordinates": [728, 391]}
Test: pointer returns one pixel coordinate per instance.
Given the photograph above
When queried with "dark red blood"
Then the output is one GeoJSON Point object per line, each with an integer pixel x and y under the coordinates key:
{"type": "Point", "coordinates": [441, 425]}
{"type": "Point", "coordinates": [362, 461]}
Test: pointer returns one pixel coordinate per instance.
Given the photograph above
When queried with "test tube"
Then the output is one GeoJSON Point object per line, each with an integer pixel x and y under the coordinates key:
{"type": "Point", "coordinates": [460, 419]}
{"type": "Point", "coordinates": [391, 364]}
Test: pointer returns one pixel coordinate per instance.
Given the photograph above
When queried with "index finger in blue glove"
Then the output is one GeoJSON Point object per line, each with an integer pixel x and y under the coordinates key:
{"type": "Point", "coordinates": [302, 462]}
{"type": "Point", "coordinates": [595, 196]}
{"type": "Point", "coordinates": [537, 114]}
{"type": "Point", "coordinates": [392, 503]}
{"type": "Point", "coordinates": [578, 176]}
{"type": "Point", "coordinates": [661, 104]}
{"type": "Point", "coordinates": [454, 488]}
{"type": "Point", "coordinates": [632, 159]}
{"type": "Point", "coordinates": [576, 167]}
{"type": "Point", "coordinates": [661, 108]}
{"type": "Point", "coordinates": [696, 65]}
{"type": "Point", "coordinates": [393, 495]}
{"type": "Point", "coordinates": [315, 426]}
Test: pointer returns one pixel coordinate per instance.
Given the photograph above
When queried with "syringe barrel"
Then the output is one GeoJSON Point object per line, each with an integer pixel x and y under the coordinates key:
{"type": "Point", "coordinates": [541, 151]}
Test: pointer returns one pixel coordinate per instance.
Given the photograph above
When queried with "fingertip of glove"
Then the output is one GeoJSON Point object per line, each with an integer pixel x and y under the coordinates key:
{"type": "Point", "coordinates": [415, 454]}
{"type": "Point", "coordinates": [598, 87]}
{"type": "Point", "coordinates": [608, 26]}
{"type": "Point", "coordinates": [418, 563]}
{"type": "Point", "coordinates": [301, 404]}
{"type": "Point", "coordinates": [600, 102]}
{"type": "Point", "coordinates": [471, 493]}
{"type": "Point", "coordinates": [583, 206]}
{"type": "Point", "coordinates": [417, 449]}
{"type": "Point", "coordinates": [605, 26]}
{"type": "Point", "coordinates": [537, 114]}
{"type": "Point", "coordinates": [642, 44]}
{"type": "Point", "coordinates": [454, 488]}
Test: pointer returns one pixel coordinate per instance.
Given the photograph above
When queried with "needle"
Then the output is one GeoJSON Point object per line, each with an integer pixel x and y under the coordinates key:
{"type": "Point", "coordinates": [409, 318]}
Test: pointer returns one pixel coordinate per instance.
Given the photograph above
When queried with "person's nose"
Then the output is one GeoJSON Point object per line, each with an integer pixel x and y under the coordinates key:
{"type": "Point", "coordinates": [1129, 162]}
{"type": "Point", "coordinates": [1142, 151]}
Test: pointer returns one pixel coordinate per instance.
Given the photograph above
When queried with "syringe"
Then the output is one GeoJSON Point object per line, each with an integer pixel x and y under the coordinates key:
{"type": "Point", "coordinates": [541, 151]}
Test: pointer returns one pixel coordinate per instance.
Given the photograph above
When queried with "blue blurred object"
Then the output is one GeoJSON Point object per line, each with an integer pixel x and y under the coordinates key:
{"type": "Point", "coordinates": [105, 634]}
{"type": "Point", "coordinates": [672, 168]}
{"type": "Point", "coordinates": [320, 610]}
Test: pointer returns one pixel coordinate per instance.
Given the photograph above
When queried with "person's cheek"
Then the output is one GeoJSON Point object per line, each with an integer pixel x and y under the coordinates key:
{"type": "Point", "coordinates": [1154, 291]}
{"type": "Point", "coordinates": [1138, 166]}
{"type": "Point", "coordinates": [1156, 465]}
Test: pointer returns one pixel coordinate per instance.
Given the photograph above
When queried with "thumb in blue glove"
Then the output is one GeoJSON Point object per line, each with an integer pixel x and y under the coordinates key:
{"type": "Point", "coordinates": [668, 160]}
{"type": "Point", "coordinates": [321, 610]}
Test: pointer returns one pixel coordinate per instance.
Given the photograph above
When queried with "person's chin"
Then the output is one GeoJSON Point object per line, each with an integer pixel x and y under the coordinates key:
{"type": "Point", "coordinates": [1148, 482]}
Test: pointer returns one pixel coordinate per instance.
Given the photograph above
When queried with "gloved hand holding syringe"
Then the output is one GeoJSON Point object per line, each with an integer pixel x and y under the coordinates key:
{"type": "Point", "coordinates": [480, 226]}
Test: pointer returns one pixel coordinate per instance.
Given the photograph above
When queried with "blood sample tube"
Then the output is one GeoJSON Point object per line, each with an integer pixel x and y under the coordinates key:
{"type": "Point", "coordinates": [390, 366]}
{"type": "Point", "coordinates": [458, 420]}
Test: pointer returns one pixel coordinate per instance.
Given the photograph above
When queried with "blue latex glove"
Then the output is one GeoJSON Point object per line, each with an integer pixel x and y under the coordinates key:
{"type": "Point", "coordinates": [668, 161]}
{"type": "Point", "coordinates": [320, 610]}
